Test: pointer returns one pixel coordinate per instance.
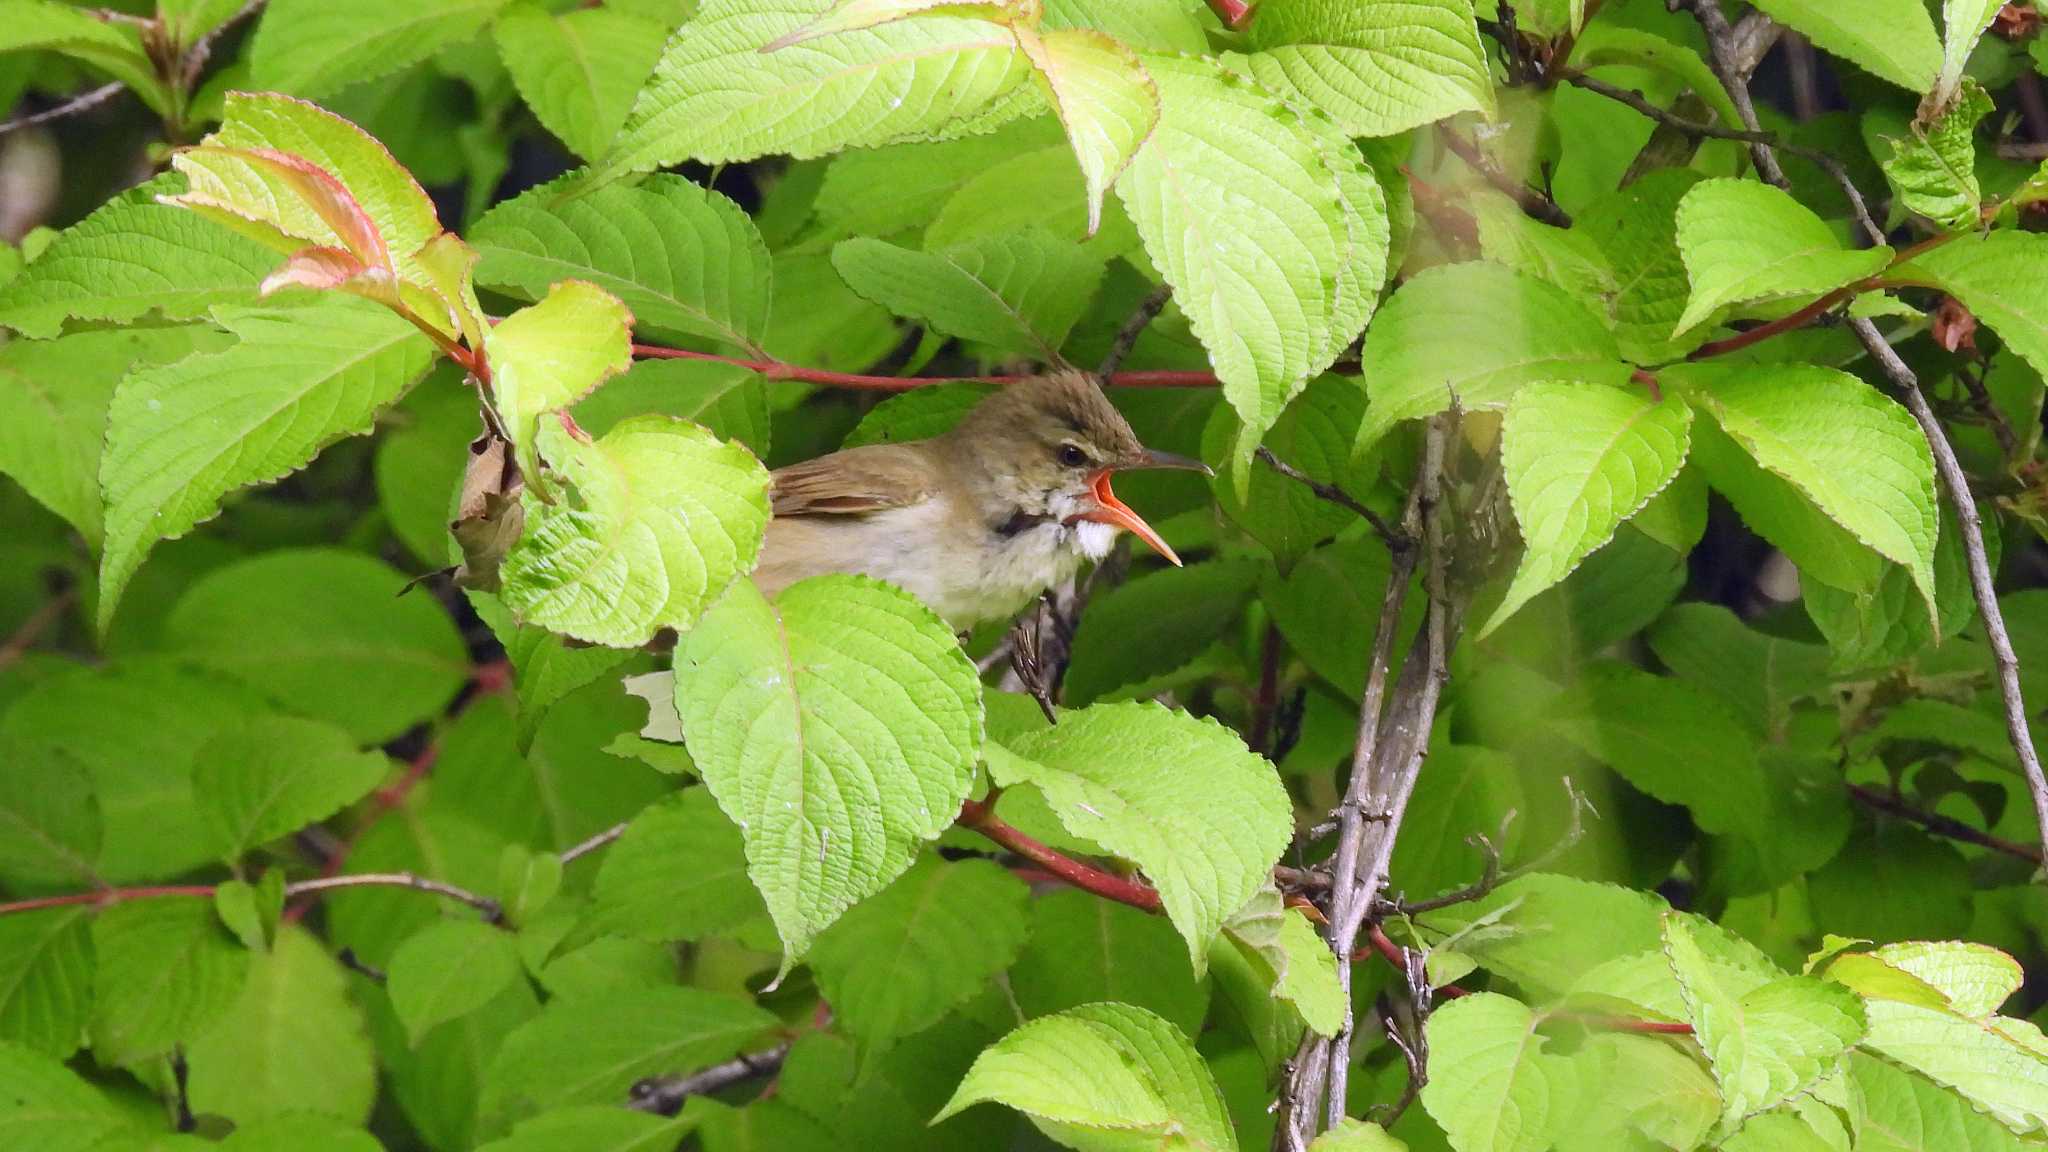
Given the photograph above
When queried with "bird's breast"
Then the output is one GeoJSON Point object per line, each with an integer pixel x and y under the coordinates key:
{"type": "Point", "coordinates": [961, 569]}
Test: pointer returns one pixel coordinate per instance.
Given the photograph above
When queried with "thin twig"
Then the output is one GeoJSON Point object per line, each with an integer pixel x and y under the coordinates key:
{"type": "Point", "coordinates": [1982, 585]}
{"type": "Point", "coordinates": [1133, 327]}
{"type": "Point", "coordinates": [1724, 54]}
{"type": "Point", "coordinates": [1957, 485]}
{"type": "Point", "coordinates": [104, 896]}
{"type": "Point", "coordinates": [1941, 825]}
{"type": "Point", "coordinates": [1533, 203]}
{"type": "Point", "coordinates": [348, 959]}
{"type": "Point", "coordinates": [1492, 875]}
{"type": "Point", "coordinates": [71, 107]}
{"type": "Point", "coordinates": [665, 1095]}
{"type": "Point", "coordinates": [1827, 163]}
{"type": "Point", "coordinates": [38, 623]}
{"type": "Point", "coordinates": [2001, 428]}
{"type": "Point", "coordinates": [1266, 701]}
{"type": "Point", "coordinates": [1390, 535]}
{"type": "Point", "coordinates": [777, 370]}
{"type": "Point", "coordinates": [578, 851]}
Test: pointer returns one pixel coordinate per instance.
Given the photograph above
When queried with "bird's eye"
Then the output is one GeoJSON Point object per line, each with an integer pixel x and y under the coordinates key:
{"type": "Point", "coordinates": [1072, 456]}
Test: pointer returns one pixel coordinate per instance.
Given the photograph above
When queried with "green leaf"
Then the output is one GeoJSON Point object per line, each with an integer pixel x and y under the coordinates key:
{"type": "Point", "coordinates": [1976, 978]}
{"type": "Point", "coordinates": [300, 1132]}
{"type": "Point", "coordinates": [273, 775]}
{"type": "Point", "coordinates": [666, 517]}
{"type": "Point", "coordinates": [1891, 39]}
{"type": "Point", "coordinates": [1673, 741]}
{"type": "Point", "coordinates": [232, 175]}
{"type": "Point", "coordinates": [1420, 358]}
{"type": "Point", "coordinates": [1744, 241]}
{"type": "Point", "coordinates": [1103, 96]}
{"type": "Point", "coordinates": [1887, 624]}
{"type": "Point", "coordinates": [310, 48]}
{"type": "Point", "coordinates": [1021, 294]}
{"type": "Point", "coordinates": [1377, 69]}
{"type": "Point", "coordinates": [679, 873]}
{"type": "Point", "coordinates": [1329, 606]}
{"type": "Point", "coordinates": [1774, 509]}
{"type": "Point", "coordinates": [49, 816]}
{"type": "Point", "coordinates": [1271, 312]}
{"type": "Point", "coordinates": [252, 912]}
{"type": "Point", "coordinates": [1537, 952]}
{"type": "Point", "coordinates": [901, 959]}
{"type": "Point", "coordinates": [579, 71]}
{"type": "Point", "coordinates": [1181, 797]}
{"type": "Point", "coordinates": [182, 436]}
{"type": "Point", "coordinates": [251, 1066]}
{"type": "Point", "coordinates": [547, 668]}
{"type": "Point", "coordinates": [684, 260]}
{"type": "Point", "coordinates": [451, 969]}
{"type": "Point", "coordinates": [1640, 1087]}
{"type": "Point", "coordinates": [590, 1049]}
{"type": "Point", "coordinates": [1354, 1135]}
{"type": "Point", "coordinates": [1765, 1043]}
{"type": "Point", "coordinates": [110, 48]}
{"type": "Point", "coordinates": [1492, 1086]}
{"type": "Point", "coordinates": [2000, 277]}
{"type": "Point", "coordinates": [1562, 256]}
{"type": "Point", "coordinates": [1153, 624]}
{"type": "Point", "coordinates": [46, 967]}
{"type": "Point", "coordinates": [1314, 435]}
{"type": "Point", "coordinates": [1148, 25]}
{"type": "Point", "coordinates": [1759, 676]}
{"type": "Point", "coordinates": [166, 972]}
{"type": "Point", "coordinates": [1853, 451]}
{"type": "Point", "coordinates": [48, 1108]}
{"type": "Point", "coordinates": [1990, 1062]}
{"type": "Point", "coordinates": [136, 727]}
{"type": "Point", "coordinates": [1083, 948]}
{"type": "Point", "coordinates": [53, 409]}
{"type": "Point", "coordinates": [1636, 229]}
{"type": "Point", "coordinates": [1579, 460]}
{"type": "Point", "coordinates": [1933, 167]}
{"type": "Point", "coordinates": [1963, 23]}
{"type": "Point", "coordinates": [1906, 1113]}
{"type": "Point", "coordinates": [325, 635]}
{"type": "Point", "coordinates": [1103, 1068]}
{"type": "Point", "coordinates": [1608, 43]}
{"type": "Point", "coordinates": [590, 1128]}
{"type": "Point", "coordinates": [131, 256]}
{"type": "Point", "coordinates": [918, 414]}
{"type": "Point", "coordinates": [717, 96]}
{"type": "Point", "coordinates": [839, 728]}
{"type": "Point", "coordinates": [729, 400]}
{"type": "Point", "coordinates": [548, 355]}
{"type": "Point", "coordinates": [1307, 976]}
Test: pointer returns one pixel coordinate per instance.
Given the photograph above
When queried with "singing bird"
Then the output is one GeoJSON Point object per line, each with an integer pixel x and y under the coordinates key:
{"type": "Point", "coordinates": [975, 522]}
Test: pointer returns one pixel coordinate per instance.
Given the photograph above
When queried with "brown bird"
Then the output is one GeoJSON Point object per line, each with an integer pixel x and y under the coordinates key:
{"type": "Point", "coordinates": [975, 522]}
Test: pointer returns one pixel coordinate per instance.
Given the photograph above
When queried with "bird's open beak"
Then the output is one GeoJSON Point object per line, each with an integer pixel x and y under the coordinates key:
{"type": "Point", "coordinates": [1110, 510]}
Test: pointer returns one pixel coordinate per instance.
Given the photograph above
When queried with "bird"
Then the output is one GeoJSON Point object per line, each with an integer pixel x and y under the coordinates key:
{"type": "Point", "coordinates": [976, 522]}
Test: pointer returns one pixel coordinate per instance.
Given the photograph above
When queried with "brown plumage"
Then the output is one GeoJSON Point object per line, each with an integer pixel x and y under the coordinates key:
{"type": "Point", "coordinates": [978, 521]}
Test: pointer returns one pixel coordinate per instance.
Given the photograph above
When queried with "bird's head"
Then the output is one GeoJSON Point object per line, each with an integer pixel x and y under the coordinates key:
{"type": "Point", "coordinates": [1047, 447]}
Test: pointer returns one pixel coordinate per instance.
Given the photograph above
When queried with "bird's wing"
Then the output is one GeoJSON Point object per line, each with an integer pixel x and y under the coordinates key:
{"type": "Point", "coordinates": [854, 481]}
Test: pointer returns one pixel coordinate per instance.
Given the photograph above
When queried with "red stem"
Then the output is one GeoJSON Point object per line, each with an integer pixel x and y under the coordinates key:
{"type": "Point", "coordinates": [983, 819]}
{"type": "Point", "coordinates": [105, 896]}
{"type": "Point", "coordinates": [1822, 306]}
{"type": "Point", "coordinates": [777, 370]}
{"type": "Point", "coordinates": [1763, 332]}
{"type": "Point", "coordinates": [1233, 13]}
